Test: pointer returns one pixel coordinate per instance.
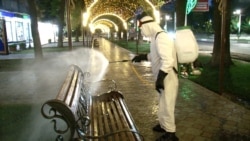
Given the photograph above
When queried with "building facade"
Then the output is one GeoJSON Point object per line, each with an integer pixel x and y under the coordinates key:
{"type": "Point", "coordinates": [17, 21]}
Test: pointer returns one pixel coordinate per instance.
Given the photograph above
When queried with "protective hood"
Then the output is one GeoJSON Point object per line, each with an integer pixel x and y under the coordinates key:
{"type": "Point", "coordinates": [148, 26]}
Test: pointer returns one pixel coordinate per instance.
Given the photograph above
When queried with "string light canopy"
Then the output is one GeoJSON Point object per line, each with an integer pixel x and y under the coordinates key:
{"type": "Point", "coordinates": [107, 22]}
{"type": "Point", "coordinates": [122, 8]}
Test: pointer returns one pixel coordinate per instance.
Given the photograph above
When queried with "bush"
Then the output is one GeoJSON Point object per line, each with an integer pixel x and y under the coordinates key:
{"type": "Point", "coordinates": [12, 47]}
{"type": "Point", "coordinates": [22, 46]}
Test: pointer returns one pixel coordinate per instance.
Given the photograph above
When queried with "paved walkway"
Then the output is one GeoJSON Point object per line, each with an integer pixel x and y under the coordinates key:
{"type": "Point", "coordinates": [201, 115]}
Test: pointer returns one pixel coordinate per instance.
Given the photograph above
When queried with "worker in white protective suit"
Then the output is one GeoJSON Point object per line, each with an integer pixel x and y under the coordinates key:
{"type": "Point", "coordinates": [164, 67]}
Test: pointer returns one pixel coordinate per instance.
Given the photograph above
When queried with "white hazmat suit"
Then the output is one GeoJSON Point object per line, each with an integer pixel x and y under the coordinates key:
{"type": "Point", "coordinates": [163, 57]}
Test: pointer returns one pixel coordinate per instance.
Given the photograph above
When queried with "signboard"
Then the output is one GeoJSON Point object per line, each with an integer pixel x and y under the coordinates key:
{"type": "Point", "coordinates": [3, 38]}
{"type": "Point", "coordinates": [201, 6]}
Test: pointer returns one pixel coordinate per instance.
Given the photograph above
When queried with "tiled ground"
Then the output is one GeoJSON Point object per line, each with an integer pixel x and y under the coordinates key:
{"type": "Point", "coordinates": [201, 115]}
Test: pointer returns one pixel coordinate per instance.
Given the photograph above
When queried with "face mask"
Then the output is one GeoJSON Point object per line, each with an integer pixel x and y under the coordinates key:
{"type": "Point", "coordinates": [145, 31]}
{"type": "Point", "coordinates": [142, 33]}
{"type": "Point", "coordinates": [143, 26]}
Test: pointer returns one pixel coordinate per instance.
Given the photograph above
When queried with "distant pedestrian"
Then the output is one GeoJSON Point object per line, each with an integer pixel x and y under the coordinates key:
{"type": "Point", "coordinates": [164, 67]}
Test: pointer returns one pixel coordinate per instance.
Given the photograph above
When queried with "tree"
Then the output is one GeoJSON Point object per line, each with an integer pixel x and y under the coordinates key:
{"type": "Point", "coordinates": [217, 52]}
{"type": "Point", "coordinates": [53, 11]}
{"type": "Point", "coordinates": [246, 25]}
{"type": "Point", "coordinates": [76, 18]}
{"type": "Point", "coordinates": [34, 29]}
{"type": "Point", "coordinates": [180, 12]}
{"type": "Point", "coordinates": [61, 23]}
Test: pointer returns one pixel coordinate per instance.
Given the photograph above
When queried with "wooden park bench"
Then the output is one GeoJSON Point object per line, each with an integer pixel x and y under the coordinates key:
{"type": "Point", "coordinates": [87, 117]}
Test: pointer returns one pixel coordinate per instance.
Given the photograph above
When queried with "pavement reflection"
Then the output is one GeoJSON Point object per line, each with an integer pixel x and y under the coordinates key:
{"type": "Point", "coordinates": [201, 115]}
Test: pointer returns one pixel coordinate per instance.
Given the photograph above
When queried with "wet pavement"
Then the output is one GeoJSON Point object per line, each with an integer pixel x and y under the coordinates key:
{"type": "Point", "coordinates": [201, 115]}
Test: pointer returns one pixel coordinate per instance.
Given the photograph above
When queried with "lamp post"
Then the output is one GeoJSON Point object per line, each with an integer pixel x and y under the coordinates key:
{"type": "Point", "coordinates": [238, 12]}
{"type": "Point", "coordinates": [85, 18]}
{"type": "Point", "coordinates": [167, 17]}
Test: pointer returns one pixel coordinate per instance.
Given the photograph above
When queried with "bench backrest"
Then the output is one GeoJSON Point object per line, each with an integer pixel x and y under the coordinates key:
{"type": "Point", "coordinates": [71, 102]}
{"type": "Point", "coordinates": [90, 117]}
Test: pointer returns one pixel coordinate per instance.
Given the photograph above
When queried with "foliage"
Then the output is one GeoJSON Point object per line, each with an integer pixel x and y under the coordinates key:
{"type": "Point", "coordinates": [49, 10]}
{"type": "Point", "coordinates": [234, 24]}
{"type": "Point", "coordinates": [76, 17]}
{"type": "Point", "coordinates": [12, 46]}
{"type": "Point", "coordinates": [236, 77]}
{"type": "Point", "coordinates": [209, 27]}
{"type": "Point", "coordinates": [53, 11]}
{"type": "Point", "coordinates": [22, 45]}
{"type": "Point", "coordinates": [246, 25]}
{"type": "Point", "coordinates": [76, 13]}
{"type": "Point", "coordinates": [143, 47]}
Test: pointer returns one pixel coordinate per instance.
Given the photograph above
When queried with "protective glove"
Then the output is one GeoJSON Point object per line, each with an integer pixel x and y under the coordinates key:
{"type": "Point", "coordinates": [140, 58]}
{"type": "Point", "coordinates": [159, 84]}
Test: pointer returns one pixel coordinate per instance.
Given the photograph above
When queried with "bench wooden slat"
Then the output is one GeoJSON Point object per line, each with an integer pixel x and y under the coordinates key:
{"type": "Point", "coordinates": [63, 92]}
{"type": "Point", "coordinates": [127, 121]}
{"type": "Point", "coordinates": [124, 119]}
{"type": "Point", "coordinates": [130, 121]}
{"type": "Point", "coordinates": [100, 117]}
{"type": "Point", "coordinates": [113, 115]}
{"type": "Point", "coordinates": [77, 92]}
{"type": "Point", "coordinates": [117, 120]}
{"type": "Point", "coordinates": [111, 121]}
{"type": "Point", "coordinates": [106, 122]}
{"type": "Point", "coordinates": [94, 125]}
{"type": "Point", "coordinates": [112, 118]}
{"type": "Point", "coordinates": [105, 110]}
{"type": "Point", "coordinates": [97, 118]}
{"type": "Point", "coordinates": [71, 90]}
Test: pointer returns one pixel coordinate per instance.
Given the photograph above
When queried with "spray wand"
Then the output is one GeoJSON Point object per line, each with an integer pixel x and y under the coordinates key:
{"type": "Point", "coordinates": [119, 61]}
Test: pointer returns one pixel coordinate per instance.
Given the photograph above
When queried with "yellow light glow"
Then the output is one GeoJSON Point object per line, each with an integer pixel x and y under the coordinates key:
{"type": "Point", "coordinates": [90, 7]}
{"type": "Point", "coordinates": [104, 28]}
{"type": "Point", "coordinates": [115, 25]}
{"type": "Point", "coordinates": [150, 4]}
{"type": "Point", "coordinates": [92, 29]}
{"type": "Point", "coordinates": [157, 16]}
{"type": "Point", "coordinates": [85, 18]}
{"type": "Point", "coordinates": [123, 21]}
{"type": "Point", "coordinates": [86, 14]}
{"type": "Point", "coordinates": [156, 12]}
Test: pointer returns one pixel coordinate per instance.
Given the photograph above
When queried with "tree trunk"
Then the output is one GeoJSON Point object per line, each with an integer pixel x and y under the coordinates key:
{"type": "Point", "coordinates": [34, 29]}
{"type": "Point", "coordinates": [215, 60]}
{"type": "Point", "coordinates": [61, 23]}
{"type": "Point", "coordinates": [180, 12]}
{"type": "Point", "coordinates": [77, 33]}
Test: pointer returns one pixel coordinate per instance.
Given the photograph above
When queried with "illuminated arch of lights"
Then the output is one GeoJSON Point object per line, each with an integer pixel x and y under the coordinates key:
{"type": "Point", "coordinates": [103, 27]}
{"type": "Point", "coordinates": [104, 14]}
{"type": "Point", "coordinates": [87, 14]}
{"type": "Point", "coordinates": [156, 12]}
{"type": "Point", "coordinates": [107, 20]}
{"type": "Point", "coordinates": [95, 2]}
{"type": "Point", "coordinates": [103, 22]}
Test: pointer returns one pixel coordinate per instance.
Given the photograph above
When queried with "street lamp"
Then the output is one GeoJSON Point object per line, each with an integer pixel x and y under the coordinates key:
{"type": "Point", "coordinates": [238, 12]}
{"type": "Point", "coordinates": [167, 17]}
